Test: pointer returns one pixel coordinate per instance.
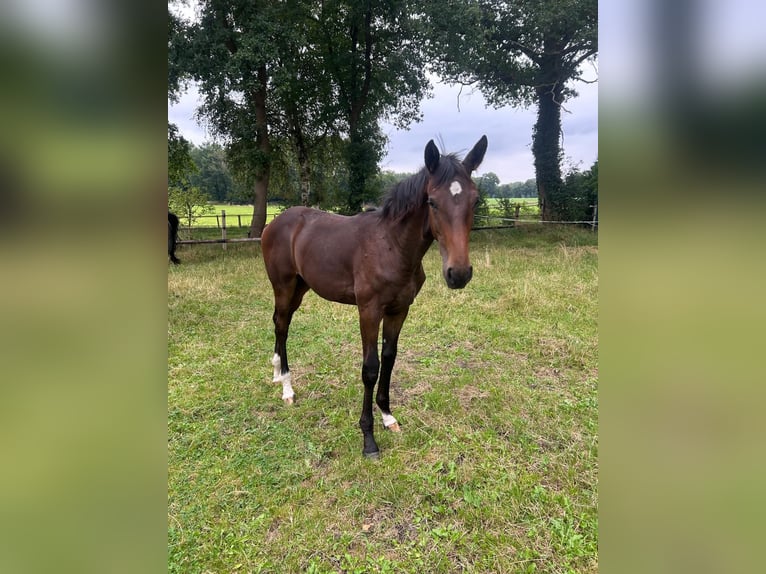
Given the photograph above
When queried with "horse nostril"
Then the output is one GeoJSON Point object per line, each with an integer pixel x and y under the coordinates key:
{"type": "Point", "coordinates": [449, 273]}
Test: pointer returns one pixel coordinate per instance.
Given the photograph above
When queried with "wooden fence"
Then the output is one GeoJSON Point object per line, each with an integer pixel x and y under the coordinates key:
{"type": "Point", "coordinates": [492, 222]}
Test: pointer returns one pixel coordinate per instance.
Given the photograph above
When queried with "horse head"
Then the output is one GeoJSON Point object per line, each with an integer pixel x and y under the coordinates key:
{"type": "Point", "coordinates": [452, 198]}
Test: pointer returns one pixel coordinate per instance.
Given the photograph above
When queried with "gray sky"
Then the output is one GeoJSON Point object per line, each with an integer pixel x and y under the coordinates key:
{"type": "Point", "coordinates": [509, 130]}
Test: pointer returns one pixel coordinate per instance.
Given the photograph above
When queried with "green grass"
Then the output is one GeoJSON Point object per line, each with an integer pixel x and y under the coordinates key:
{"type": "Point", "coordinates": [495, 387]}
{"type": "Point", "coordinates": [245, 212]}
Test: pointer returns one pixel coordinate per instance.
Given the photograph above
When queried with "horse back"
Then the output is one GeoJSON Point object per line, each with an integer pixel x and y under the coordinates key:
{"type": "Point", "coordinates": [323, 248]}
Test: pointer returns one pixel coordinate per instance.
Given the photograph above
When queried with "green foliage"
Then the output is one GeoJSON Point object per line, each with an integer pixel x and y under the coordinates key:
{"type": "Point", "coordinates": [506, 207]}
{"type": "Point", "coordinates": [488, 183]}
{"type": "Point", "coordinates": [282, 81]}
{"type": "Point", "coordinates": [387, 179]}
{"type": "Point", "coordinates": [176, 71]}
{"type": "Point", "coordinates": [181, 166]}
{"type": "Point", "coordinates": [512, 49]}
{"type": "Point", "coordinates": [577, 195]}
{"type": "Point", "coordinates": [363, 151]}
{"type": "Point", "coordinates": [518, 189]}
{"type": "Point", "coordinates": [213, 176]}
{"type": "Point", "coordinates": [188, 203]}
{"type": "Point", "coordinates": [373, 52]}
{"type": "Point", "coordinates": [482, 205]}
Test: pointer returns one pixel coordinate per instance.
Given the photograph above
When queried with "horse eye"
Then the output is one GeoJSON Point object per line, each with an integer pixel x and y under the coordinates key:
{"type": "Point", "coordinates": [431, 203]}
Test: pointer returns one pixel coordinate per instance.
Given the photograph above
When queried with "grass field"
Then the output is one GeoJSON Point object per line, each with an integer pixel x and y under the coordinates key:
{"type": "Point", "coordinates": [529, 209]}
{"type": "Point", "coordinates": [495, 387]}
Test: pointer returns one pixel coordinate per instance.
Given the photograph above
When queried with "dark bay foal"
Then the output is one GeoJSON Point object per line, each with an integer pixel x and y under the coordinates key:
{"type": "Point", "coordinates": [373, 260]}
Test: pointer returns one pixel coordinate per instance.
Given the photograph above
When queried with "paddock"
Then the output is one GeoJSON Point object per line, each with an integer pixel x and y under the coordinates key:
{"type": "Point", "coordinates": [495, 388]}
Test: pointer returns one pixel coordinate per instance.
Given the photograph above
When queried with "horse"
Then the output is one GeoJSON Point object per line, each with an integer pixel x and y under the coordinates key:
{"type": "Point", "coordinates": [373, 260]}
{"type": "Point", "coordinates": [172, 237]}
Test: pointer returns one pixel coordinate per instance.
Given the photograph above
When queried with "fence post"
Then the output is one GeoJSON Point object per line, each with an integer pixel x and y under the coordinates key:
{"type": "Point", "coordinates": [223, 228]}
{"type": "Point", "coordinates": [239, 220]}
{"type": "Point", "coordinates": [517, 207]}
{"type": "Point", "coordinates": [595, 217]}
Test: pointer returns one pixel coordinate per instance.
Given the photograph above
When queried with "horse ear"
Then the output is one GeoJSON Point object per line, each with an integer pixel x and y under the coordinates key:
{"type": "Point", "coordinates": [474, 157]}
{"type": "Point", "coordinates": [432, 156]}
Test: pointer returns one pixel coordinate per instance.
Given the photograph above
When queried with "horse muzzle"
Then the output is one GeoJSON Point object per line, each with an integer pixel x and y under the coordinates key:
{"type": "Point", "coordinates": [458, 277]}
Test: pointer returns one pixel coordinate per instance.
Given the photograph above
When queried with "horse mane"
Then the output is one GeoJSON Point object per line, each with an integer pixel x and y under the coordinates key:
{"type": "Point", "coordinates": [409, 194]}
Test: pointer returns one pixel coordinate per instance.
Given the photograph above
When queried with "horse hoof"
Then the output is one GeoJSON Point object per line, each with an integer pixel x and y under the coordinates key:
{"type": "Point", "coordinates": [372, 455]}
{"type": "Point", "coordinates": [288, 400]}
{"type": "Point", "coordinates": [394, 427]}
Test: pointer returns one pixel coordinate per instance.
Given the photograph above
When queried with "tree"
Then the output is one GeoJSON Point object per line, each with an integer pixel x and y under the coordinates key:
{"type": "Point", "coordinates": [519, 53]}
{"type": "Point", "coordinates": [576, 198]}
{"type": "Point", "coordinates": [373, 51]}
{"type": "Point", "coordinates": [213, 175]}
{"type": "Point", "coordinates": [387, 179]}
{"type": "Point", "coordinates": [188, 203]}
{"type": "Point", "coordinates": [306, 97]}
{"type": "Point", "coordinates": [230, 51]}
{"type": "Point", "coordinates": [489, 183]}
{"type": "Point", "coordinates": [526, 188]}
{"type": "Point", "coordinates": [180, 164]}
{"type": "Point", "coordinates": [282, 81]}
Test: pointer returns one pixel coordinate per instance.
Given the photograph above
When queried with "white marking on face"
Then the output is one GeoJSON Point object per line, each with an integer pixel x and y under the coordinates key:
{"type": "Point", "coordinates": [455, 188]}
{"type": "Point", "coordinates": [388, 420]}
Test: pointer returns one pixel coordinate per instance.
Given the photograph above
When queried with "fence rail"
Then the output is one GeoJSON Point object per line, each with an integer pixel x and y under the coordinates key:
{"type": "Point", "coordinates": [505, 223]}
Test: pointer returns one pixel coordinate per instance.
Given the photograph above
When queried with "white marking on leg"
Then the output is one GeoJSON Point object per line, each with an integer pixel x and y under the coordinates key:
{"type": "Point", "coordinates": [285, 378]}
{"type": "Point", "coordinates": [287, 387]}
{"type": "Point", "coordinates": [388, 420]}
{"type": "Point", "coordinates": [455, 188]}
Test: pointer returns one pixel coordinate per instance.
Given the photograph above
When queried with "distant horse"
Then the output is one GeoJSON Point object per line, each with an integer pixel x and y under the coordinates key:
{"type": "Point", "coordinates": [373, 260]}
{"type": "Point", "coordinates": [172, 237]}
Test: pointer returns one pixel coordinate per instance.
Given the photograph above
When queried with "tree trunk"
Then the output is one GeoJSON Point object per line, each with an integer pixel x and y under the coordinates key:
{"type": "Point", "coordinates": [260, 194]}
{"type": "Point", "coordinates": [305, 176]}
{"type": "Point", "coordinates": [357, 173]}
{"type": "Point", "coordinates": [546, 142]}
{"type": "Point", "coordinates": [304, 163]}
{"type": "Point", "coordinates": [263, 167]}
{"type": "Point", "coordinates": [361, 157]}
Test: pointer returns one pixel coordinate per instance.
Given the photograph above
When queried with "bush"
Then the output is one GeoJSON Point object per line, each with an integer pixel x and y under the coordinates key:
{"type": "Point", "coordinates": [578, 194]}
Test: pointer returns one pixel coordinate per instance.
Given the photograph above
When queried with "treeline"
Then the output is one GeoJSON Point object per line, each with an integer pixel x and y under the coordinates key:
{"type": "Point", "coordinates": [489, 185]}
{"type": "Point", "coordinates": [209, 179]}
{"type": "Point", "coordinates": [215, 182]}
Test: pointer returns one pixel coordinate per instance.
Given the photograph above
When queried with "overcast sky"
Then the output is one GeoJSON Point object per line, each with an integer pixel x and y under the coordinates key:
{"type": "Point", "coordinates": [509, 131]}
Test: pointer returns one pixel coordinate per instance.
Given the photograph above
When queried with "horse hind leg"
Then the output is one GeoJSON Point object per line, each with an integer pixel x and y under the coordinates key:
{"type": "Point", "coordinates": [286, 302]}
{"type": "Point", "coordinates": [285, 378]}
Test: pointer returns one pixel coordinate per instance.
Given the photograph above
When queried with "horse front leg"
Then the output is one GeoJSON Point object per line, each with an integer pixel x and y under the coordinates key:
{"type": "Point", "coordinates": [369, 322]}
{"type": "Point", "coordinates": [392, 326]}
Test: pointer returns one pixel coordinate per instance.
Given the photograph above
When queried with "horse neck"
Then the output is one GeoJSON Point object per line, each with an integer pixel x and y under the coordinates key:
{"type": "Point", "coordinates": [412, 235]}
